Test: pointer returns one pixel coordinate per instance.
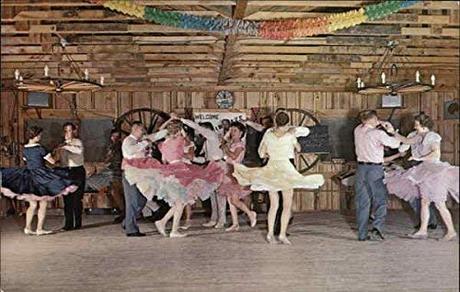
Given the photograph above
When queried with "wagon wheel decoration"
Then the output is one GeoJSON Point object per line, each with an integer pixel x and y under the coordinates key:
{"type": "Point", "coordinates": [151, 118]}
{"type": "Point", "coordinates": [303, 118]}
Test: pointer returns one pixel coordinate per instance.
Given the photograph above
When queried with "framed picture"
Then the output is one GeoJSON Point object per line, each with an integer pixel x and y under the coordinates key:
{"type": "Point", "coordinates": [392, 101]}
{"type": "Point", "coordinates": [38, 99]}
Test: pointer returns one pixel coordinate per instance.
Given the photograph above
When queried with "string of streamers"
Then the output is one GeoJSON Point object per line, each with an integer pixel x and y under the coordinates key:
{"type": "Point", "coordinates": [270, 29]}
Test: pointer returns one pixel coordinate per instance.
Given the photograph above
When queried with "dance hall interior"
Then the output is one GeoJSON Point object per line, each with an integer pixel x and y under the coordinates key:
{"type": "Point", "coordinates": [229, 145]}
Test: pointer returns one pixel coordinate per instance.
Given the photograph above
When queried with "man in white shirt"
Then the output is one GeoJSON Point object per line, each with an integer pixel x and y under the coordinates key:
{"type": "Point", "coordinates": [369, 186]}
{"type": "Point", "coordinates": [134, 147]}
{"type": "Point", "coordinates": [72, 159]}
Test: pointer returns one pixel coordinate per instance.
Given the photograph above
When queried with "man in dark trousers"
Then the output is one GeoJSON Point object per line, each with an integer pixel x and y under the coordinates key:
{"type": "Point", "coordinates": [370, 190]}
{"type": "Point", "coordinates": [72, 159]}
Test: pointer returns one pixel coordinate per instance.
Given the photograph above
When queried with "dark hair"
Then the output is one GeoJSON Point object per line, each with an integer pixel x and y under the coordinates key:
{"type": "Point", "coordinates": [33, 132]}
{"type": "Point", "coordinates": [424, 120]}
{"type": "Point", "coordinates": [174, 126]}
{"type": "Point", "coordinates": [207, 125]}
{"type": "Point", "coordinates": [281, 119]}
{"type": "Point", "coordinates": [269, 118]}
{"type": "Point", "coordinates": [190, 133]}
{"type": "Point", "coordinates": [366, 115]}
{"type": "Point", "coordinates": [225, 120]}
{"type": "Point", "coordinates": [114, 131]}
{"type": "Point", "coordinates": [137, 123]}
{"type": "Point", "coordinates": [72, 125]}
{"type": "Point", "coordinates": [240, 127]}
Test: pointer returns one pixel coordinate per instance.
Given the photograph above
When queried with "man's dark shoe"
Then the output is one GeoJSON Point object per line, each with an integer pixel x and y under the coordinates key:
{"type": "Point", "coordinates": [136, 234]}
{"type": "Point", "coordinates": [376, 235]}
{"type": "Point", "coordinates": [365, 238]}
{"type": "Point", "coordinates": [67, 228]}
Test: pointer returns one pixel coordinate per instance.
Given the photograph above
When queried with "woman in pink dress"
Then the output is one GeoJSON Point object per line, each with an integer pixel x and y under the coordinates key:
{"type": "Point", "coordinates": [234, 150]}
{"type": "Point", "coordinates": [176, 180]}
{"type": "Point", "coordinates": [432, 180]}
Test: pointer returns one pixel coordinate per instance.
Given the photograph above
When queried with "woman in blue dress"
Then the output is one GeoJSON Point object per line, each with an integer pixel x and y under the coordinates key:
{"type": "Point", "coordinates": [36, 183]}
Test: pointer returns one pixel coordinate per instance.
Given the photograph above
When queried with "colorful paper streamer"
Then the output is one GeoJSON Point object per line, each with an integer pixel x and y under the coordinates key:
{"type": "Point", "coordinates": [269, 29]}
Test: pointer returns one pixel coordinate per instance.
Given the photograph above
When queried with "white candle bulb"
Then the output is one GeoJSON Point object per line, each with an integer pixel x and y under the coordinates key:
{"type": "Point", "coordinates": [102, 80]}
{"type": "Point", "coordinates": [362, 84]}
{"type": "Point", "coordinates": [433, 79]}
{"type": "Point", "coordinates": [383, 77]}
{"type": "Point", "coordinates": [417, 76]}
{"type": "Point", "coordinates": [359, 82]}
{"type": "Point", "coordinates": [16, 74]}
{"type": "Point", "coordinates": [46, 70]}
{"type": "Point", "coordinates": [86, 74]}
{"type": "Point", "coordinates": [20, 79]}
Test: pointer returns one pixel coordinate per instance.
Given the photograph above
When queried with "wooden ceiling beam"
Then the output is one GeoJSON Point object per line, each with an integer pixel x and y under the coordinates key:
{"type": "Point", "coordinates": [61, 3]}
{"type": "Point", "coordinates": [230, 42]}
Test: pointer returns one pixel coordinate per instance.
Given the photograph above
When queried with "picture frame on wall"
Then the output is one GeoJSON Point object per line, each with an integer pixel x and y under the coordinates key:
{"type": "Point", "coordinates": [39, 99]}
{"type": "Point", "coordinates": [392, 101]}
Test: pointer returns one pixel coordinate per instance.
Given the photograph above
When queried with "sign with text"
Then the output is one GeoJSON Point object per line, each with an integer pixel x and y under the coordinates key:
{"type": "Point", "coordinates": [216, 117]}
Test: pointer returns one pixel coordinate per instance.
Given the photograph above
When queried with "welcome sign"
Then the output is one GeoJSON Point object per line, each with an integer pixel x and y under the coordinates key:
{"type": "Point", "coordinates": [215, 117]}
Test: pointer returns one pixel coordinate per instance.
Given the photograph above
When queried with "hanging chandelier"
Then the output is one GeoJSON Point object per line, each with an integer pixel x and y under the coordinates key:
{"type": "Point", "coordinates": [58, 83]}
{"type": "Point", "coordinates": [393, 87]}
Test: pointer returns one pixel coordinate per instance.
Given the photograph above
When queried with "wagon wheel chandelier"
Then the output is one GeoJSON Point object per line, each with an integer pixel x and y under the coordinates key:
{"type": "Point", "coordinates": [393, 87]}
{"type": "Point", "coordinates": [58, 83]}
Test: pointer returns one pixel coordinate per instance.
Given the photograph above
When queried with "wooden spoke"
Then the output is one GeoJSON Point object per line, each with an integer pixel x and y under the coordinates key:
{"type": "Point", "coordinates": [303, 118]}
{"type": "Point", "coordinates": [151, 118]}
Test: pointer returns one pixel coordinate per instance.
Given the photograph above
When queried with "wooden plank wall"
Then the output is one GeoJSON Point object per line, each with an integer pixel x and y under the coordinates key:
{"type": "Point", "coordinates": [323, 104]}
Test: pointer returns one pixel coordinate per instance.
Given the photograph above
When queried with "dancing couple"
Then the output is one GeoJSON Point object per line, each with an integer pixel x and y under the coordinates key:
{"type": "Point", "coordinates": [429, 181]}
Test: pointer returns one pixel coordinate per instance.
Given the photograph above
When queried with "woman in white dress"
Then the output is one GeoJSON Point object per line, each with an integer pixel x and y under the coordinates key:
{"type": "Point", "coordinates": [279, 174]}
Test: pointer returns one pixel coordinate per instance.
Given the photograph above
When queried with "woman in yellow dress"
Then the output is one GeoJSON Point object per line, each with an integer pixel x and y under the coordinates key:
{"type": "Point", "coordinates": [279, 174]}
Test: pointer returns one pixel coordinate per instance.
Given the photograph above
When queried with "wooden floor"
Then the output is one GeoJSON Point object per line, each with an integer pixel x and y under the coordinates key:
{"type": "Point", "coordinates": [325, 256]}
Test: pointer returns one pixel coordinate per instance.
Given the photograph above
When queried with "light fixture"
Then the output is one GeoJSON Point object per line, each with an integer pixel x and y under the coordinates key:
{"type": "Point", "coordinates": [58, 84]}
{"type": "Point", "coordinates": [387, 84]}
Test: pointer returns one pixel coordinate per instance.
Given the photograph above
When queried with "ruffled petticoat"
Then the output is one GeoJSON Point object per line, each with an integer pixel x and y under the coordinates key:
{"type": "Point", "coordinates": [277, 175]}
{"type": "Point", "coordinates": [433, 180]}
{"type": "Point", "coordinates": [176, 181]}
{"type": "Point", "coordinates": [230, 185]}
{"type": "Point", "coordinates": [36, 184]}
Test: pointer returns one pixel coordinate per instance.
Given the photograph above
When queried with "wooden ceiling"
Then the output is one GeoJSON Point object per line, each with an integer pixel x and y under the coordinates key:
{"type": "Point", "coordinates": [131, 53]}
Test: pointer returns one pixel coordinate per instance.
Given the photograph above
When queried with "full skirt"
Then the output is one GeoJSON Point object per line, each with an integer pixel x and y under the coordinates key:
{"type": "Point", "coordinates": [431, 180]}
{"type": "Point", "coordinates": [172, 182]}
{"type": "Point", "coordinates": [277, 175]}
{"type": "Point", "coordinates": [36, 184]}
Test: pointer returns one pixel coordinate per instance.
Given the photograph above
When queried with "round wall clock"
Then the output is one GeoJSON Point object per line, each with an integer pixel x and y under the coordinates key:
{"type": "Point", "coordinates": [224, 99]}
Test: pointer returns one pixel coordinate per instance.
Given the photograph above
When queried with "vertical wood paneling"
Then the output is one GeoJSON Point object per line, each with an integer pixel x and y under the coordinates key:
{"type": "Point", "coordinates": [331, 104]}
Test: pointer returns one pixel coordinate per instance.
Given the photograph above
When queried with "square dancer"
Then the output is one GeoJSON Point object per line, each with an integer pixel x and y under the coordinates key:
{"type": "Point", "coordinates": [369, 186]}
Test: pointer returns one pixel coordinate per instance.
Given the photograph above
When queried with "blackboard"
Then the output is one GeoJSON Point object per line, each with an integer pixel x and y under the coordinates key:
{"type": "Point", "coordinates": [342, 138]}
{"type": "Point", "coordinates": [94, 133]}
{"type": "Point", "coordinates": [317, 141]}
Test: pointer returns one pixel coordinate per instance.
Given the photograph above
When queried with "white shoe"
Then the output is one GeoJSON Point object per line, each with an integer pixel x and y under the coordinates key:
{"type": "Point", "coordinates": [449, 237]}
{"type": "Point", "coordinates": [209, 224]}
{"type": "Point", "coordinates": [233, 228]}
{"type": "Point", "coordinates": [284, 240]}
{"type": "Point", "coordinates": [29, 232]}
{"type": "Point", "coordinates": [44, 232]}
{"type": "Point", "coordinates": [253, 219]}
{"type": "Point", "coordinates": [161, 228]}
{"type": "Point", "coordinates": [186, 226]}
{"type": "Point", "coordinates": [219, 225]}
{"type": "Point", "coordinates": [271, 239]}
{"type": "Point", "coordinates": [177, 235]}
